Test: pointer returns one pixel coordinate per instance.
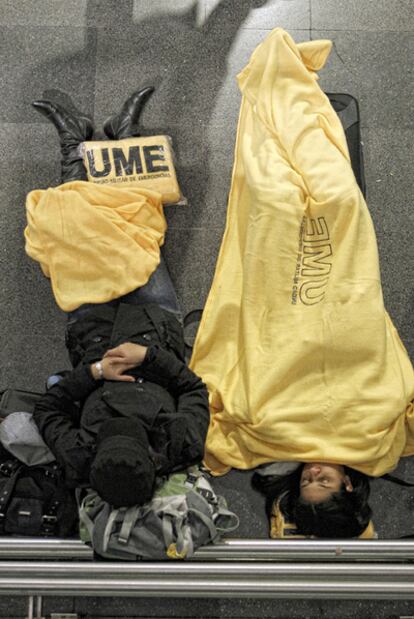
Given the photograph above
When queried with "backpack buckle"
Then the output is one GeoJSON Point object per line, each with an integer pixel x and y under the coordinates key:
{"type": "Point", "coordinates": [46, 519]}
{"type": "Point", "coordinates": [49, 525]}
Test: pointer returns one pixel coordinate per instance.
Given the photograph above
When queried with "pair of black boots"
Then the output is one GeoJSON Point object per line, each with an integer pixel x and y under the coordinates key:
{"type": "Point", "coordinates": [74, 129]}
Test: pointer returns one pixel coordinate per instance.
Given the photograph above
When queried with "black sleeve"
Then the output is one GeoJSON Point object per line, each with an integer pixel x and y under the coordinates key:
{"type": "Point", "coordinates": [56, 415]}
{"type": "Point", "coordinates": [188, 430]}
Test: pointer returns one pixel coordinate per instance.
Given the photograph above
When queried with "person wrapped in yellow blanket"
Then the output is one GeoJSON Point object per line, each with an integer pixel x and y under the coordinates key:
{"type": "Point", "coordinates": [131, 410]}
{"type": "Point", "coordinates": [300, 358]}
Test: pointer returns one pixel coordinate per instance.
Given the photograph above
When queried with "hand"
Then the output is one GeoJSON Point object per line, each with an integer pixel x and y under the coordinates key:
{"type": "Point", "coordinates": [128, 353]}
{"type": "Point", "coordinates": [113, 369]}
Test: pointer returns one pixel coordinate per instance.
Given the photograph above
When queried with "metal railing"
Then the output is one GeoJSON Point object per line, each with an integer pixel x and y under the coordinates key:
{"type": "Point", "coordinates": [208, 580]}
{"type": "Point", "coordinates": [262, 550]}
{"type": "Point", "coordinates": [328, 569]}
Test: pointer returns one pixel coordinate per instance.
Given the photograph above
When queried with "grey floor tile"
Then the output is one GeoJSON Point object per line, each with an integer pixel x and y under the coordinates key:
{"type": "Point", "coordinates": [268, 14]}
{"type": "Point", "coordinates": [253, 13]}
{"type": "Point", "coordinates": [393, 505]}
{"type": "Point", "coordinates": [363, 14]}
{"type": "Point", "coordinates": [390, 180]}
{"type": "Point", "coordinates": [314, 609]}
{"type": "Point", "coordinates": [30, 320]}
{"type": "Point", "coordinates": [103, 13]}
{"type": "Point", "coordinates": [43, 13]}
{"type": "Point", "coordinates": [20, 367]}
{"type": "Point", "coordinates": [32, 330]}
{"type": "Point", "coordinates": [188, 66]}
{"type": "Point", "coordinates": [102, 608]}
{"type": "Point", "coordinates": [195, 11]}
{"type": "Point", "coordinates": [29, 159]}
{"type": "Point", "coordinates": [13, 606]}
{"type": "Point", "coordinates": [375, 67]}
{"type": "Point", "coordinates": [37, 59]}
{"type": "Point", "coordinates": [57, 605]}
{"type": "Point", "coordinates": [147, 607]}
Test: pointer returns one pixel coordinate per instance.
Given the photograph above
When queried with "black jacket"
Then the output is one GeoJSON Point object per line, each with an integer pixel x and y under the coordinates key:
{"type": "Point", "coordinates": [167, 397]}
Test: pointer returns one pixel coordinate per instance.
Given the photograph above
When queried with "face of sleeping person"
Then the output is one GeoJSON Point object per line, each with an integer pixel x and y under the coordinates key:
{"type": "Point", "coordinates": [319, 480]}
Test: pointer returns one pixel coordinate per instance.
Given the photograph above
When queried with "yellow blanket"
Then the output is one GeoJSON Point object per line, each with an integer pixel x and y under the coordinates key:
{"type": "Point", "coordinates": [301, 360]}
{"type": "Point", "coordinates": [95, 242]}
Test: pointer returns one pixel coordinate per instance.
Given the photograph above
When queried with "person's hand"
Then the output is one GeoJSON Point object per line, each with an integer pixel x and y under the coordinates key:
{"type": "Point", "coordinates": [112, 369]}
{"type": "Point", "coordinates": [128, 353]}
{"type": "Point", "coordinates": [119, 360]}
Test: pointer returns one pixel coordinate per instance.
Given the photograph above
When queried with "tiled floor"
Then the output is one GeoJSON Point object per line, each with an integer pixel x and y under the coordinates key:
{"type": "Point", "coordinates": [99, 51]}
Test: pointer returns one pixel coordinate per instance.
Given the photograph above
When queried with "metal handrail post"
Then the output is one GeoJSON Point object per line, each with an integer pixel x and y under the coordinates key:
{"type": "Point", "coordinates": [30, 606]}
{"type": "Point", "coordinates": [39, 604]}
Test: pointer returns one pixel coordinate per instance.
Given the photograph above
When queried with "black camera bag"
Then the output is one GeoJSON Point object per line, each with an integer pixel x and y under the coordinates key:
{"type": "Point", "coordinates": [34, 500]}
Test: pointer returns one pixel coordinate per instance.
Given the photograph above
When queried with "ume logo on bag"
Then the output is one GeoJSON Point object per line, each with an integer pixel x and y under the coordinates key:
{"type": "Point", "coordinates": [126, 161]}
{"type": "Point", "coordinates": [145, 161]}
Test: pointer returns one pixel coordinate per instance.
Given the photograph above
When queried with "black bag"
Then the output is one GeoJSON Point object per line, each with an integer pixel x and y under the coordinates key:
{"type": "Point", "coordinates": [347, 109]}
{"type": "Point", "coordinates": [34, 500]}
{"type": "Point", "coordinates": [15, 400]}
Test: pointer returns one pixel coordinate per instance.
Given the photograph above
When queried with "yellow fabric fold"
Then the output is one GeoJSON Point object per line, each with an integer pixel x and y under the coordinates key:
{"type": "Point", "coordinates": [299, 355]}
{"type": "Point", "coordinates": [95, 242]}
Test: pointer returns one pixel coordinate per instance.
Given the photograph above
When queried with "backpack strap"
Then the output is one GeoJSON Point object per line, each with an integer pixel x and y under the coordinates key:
{"type": "Point", "coordinates": [167, 529]}
{"type": "Point", "coordinates": [49, 518]}
{"type": "Point", "coordinates": [130, 518]}
{"type": "Point", "coordinates": [207, 521]}
{"type": "Point", "coordinates": [108, 529]}
{"type": "Point", "coordinates": [229, 520]}
{"type": "Point", "coordinates": [83, 514]}
{"type": "Point", "coordinates": [177, 537]}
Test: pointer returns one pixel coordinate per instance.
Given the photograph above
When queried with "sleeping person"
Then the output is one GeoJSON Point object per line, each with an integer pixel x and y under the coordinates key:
{"type": "Point", "coordinates": [303, 365]}
{"type": "Point", "coordinates": [131, 409]}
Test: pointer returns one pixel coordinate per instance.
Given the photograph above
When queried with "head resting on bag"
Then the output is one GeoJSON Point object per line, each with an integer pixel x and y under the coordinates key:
{"type": "Point", "coordinates": [122, 472]}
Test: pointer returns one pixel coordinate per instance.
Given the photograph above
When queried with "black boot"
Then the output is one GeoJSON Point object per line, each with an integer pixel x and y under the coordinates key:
{"type": "Point", "coordinates": [125, 124]}
{"type": "Point", "coordinates": [72, 131]}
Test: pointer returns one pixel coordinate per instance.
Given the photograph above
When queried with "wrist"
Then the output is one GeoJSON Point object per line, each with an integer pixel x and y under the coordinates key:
{"type": "Point", "coordinates": [97, 370]}
{"type": "Point", "coordinates": [149, 355]}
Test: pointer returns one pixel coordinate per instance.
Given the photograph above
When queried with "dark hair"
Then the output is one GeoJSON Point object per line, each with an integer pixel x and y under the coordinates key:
{"type": "Point", "coordinates": [344, 514]}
